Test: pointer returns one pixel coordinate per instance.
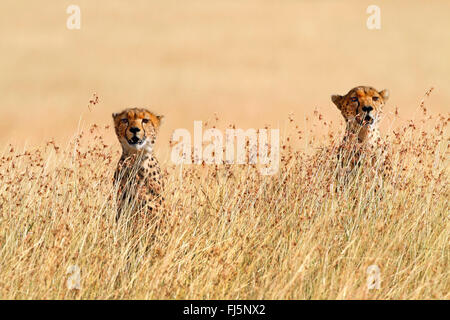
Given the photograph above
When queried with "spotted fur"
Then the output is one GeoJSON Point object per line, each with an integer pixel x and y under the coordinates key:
{"type": "Point", "coordinates": [138, 175]}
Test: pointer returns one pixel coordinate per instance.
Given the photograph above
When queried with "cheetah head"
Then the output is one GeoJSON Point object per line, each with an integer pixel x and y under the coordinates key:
{"type": "Point", "coordinates": [136, 129]}
{"type": "Point", "coordinates": [362, 105]}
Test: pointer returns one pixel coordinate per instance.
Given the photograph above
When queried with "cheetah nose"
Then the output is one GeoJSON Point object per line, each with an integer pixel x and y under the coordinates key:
{"type": "Point", "coordinates": [135, 129]}
{"type": "Point", "coordinates": [367, 108]}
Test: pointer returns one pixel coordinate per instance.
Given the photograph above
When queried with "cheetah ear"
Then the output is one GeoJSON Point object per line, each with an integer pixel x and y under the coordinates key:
{"type": "Point", "coordinates": [114, 115]}
{"type": "Point", "coordinates": [156, 120]}
{"type": "Point", "coordinates": [384, 94]}
{"type": "Point", "coordinates": [337, 100]}
{"type": "Point", "coordinates": [159, 120]}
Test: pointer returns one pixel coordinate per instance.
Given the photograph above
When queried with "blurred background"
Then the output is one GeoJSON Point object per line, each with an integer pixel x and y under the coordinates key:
{"type": "Point", "coordinates": [251, 62]}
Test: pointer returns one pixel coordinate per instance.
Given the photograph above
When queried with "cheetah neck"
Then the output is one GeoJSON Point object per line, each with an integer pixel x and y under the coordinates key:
{"type": "Point", "coordinates": [367, 134]}
{"type": "Point", "coordinates": [139, 156]}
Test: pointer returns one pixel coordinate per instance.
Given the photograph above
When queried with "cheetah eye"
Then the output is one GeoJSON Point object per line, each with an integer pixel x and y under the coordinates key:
{"type": "Point", "coordinates": [144, 120]}
{"type": "Point", "coordinates": [375, 98]}
{"type": "Point", "coordinates": [124, 120]}
{"type": "Point", "coordinates": [354, 99]}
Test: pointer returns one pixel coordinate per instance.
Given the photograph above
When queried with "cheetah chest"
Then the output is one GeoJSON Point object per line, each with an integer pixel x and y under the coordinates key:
{"type": "Point", "coordinates": [139, 179]}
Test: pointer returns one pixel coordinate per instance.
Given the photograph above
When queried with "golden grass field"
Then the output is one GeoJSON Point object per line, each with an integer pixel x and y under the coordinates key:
{"type": "Point", "coordinates": [225, 232]}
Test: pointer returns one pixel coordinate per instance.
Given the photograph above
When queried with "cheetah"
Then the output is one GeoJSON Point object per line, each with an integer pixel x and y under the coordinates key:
{"type": "Point", "coordinates": [138, 175]}
{"type": "Point", "coordinates": [362, 108]}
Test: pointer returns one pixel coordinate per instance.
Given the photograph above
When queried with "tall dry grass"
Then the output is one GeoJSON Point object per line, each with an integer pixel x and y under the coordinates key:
{"type": "Point", "coordinates": [226, 231]}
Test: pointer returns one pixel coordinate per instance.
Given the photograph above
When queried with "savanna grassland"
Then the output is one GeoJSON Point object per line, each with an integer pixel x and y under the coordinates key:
{"type": "Point", "coordinates": [226, 231]}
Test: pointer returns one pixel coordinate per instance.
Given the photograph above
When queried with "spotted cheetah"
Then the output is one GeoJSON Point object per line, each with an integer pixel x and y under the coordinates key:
{"type": "Point", "coordinates": [138, 175]}
{"type": "Point", "coordinates": [362, 109]}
